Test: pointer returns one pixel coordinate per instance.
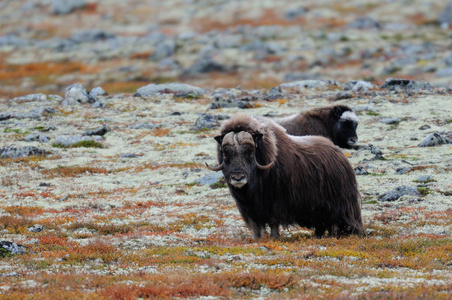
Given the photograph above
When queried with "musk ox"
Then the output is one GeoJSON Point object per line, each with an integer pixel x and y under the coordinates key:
{"type": "Point", "coordinates": [278, 179]}
{"type": "Point", "coordinates": [338, 123]}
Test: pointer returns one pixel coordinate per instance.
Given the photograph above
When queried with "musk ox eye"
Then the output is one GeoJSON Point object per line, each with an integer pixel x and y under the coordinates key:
{"type": "Point", "coordinates": [251, 154]}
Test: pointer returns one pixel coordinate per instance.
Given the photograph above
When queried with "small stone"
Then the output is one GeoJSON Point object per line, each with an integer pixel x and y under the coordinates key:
{"type": "Point", "coordinates": [311, 84]}
{"type": "Point", "coordinates": [205, 121]}
{"type": "Point", "coordinates": [98, 91]}
{"type": "Point", "coordinates": [14, 152]}
{"type": "Point", "coordinates": [210, 178]}
{"type": "Point", "coordinates": [446, 15]}
{"type": "Point", "coordinates": [359, 86]}
{"type": "Point", "coordinates": [398, 192]}
{"type": "Point", "coordinates": [402, 170]}
{"type": "Point", "coordinates": [424, 127]}
{"type": "Point", "coordinates": [445, 72]}
{"type": "Point", "coordinates": [393, 83]}
{"type": "Point", "coordinates": [424, 178]}
{"type": "Point", "coordinates": [99, 131]}
{"type": "Point", "coordinates": [433, 139]}
{"type": "Point", "coordinates": [77, 94]}
{"type": "Point", "coordinates": [36, 137]}
{"type": "Point", "coordinates": [62, 7]}
{"type": "Point", "coordinates": [153, 89]}
{"type": "Point", "coordinates": [35, 228]}
{"type": "Point", "coordinates": [145, 125]}
{"type": "Point", "coordinates": [31, 97]}
{"type": "Point", "coordinates": [128, 155]}
{"type": "Point", "coordinates": [7, 247]}
{"type": "Point", "coordinates": [360, 170]}
{"type": "Point", "coordinates": [364, 23]}
{"type": "Point", "coordinates": [390, 121]}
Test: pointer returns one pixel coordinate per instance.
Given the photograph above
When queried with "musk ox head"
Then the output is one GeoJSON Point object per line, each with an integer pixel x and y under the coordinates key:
{"type": "Point", "coordinates": [245, 148]}
{"type": "Point", "coordinates": [344, 129]}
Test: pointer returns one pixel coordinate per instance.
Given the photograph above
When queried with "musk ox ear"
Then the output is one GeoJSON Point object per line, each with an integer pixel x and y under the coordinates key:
{"type": "Point", "coordinates": [219, 139]}
{"type": "Point", "coordinates": [337, 112]}
{"type": "Point", "coordinates": [257, 137]}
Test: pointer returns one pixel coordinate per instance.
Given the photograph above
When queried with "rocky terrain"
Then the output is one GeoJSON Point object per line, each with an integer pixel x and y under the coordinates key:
{"type": "Point", "coordinates": [108, 111]}
{"type": "Point", "coordinates": [47, 45]}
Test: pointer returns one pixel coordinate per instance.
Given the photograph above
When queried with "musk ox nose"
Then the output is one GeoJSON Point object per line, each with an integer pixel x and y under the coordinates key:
{"type": "Point", "coordinates": [238, 179]}
{"type": "Point", "coordinates": [352, 140]}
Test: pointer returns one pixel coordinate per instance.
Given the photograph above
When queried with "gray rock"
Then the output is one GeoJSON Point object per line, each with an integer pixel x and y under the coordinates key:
{"type": "Point", "coordinates": [210, 178]}
{"type": "Point", "coordinates": [424, 179]}
{"type": "Point", "coordinates": [77, 94]}
{"type": "Point", "coordinates": [128, 155]}
{"type": "Point", "coordinates": [163, 50]}
{"type": "Point", "coordinates": [36, 137]}
{"type": "Point", "coordinates": [360, 170]}
{"type": "Point", "coordinates": [448, 61]}
{"type": "Point", "coordinates": [69, 140]}
{"type": "Point", "coordinates": [37, 112]}
{"type": "Point", "coordinates": [91, 36]}
{"type": "Point", "coordinates": [399, 192]}
{"type": "Point", "coordinates": [359, 86]}
{"type": "Point", "coordinates": [205, 65]}
{"type": "Point", "coordinates": [98, 91]}
{"type": "Point", "coordinates": [390, 121]}
{"type": "Point", "coordinates": [373, 150]}
{"type": "Point", "coordinates": [274, 93]}
{"type": "Point", "coordinates": [31, 97]}
{"type": "Point", "coordinates": [446, 15]}
{"type": "Point", "coordinates": [13, 40]}
{"type": "Point", "coordinates": [7, 115]}
{"type": "Point", "coordinates": [310, 84]}
{"type": "Point", "coordinates": [364, 23]}
{"type": "Point", "coordinates": [295, 13]}
{"type": "Point", "coordinates": [61, 7]}
{"type": "Point", "coordinates": [35, 228]}
{"type": "Point", "coordinates": [153, 89]}
{"type": "Point", "coordinates": [205, 121]}
{"type": "Point", "coordinates": [402, 170]}
{"type": "Point", "coordinates": [232, 98]}
{"type": "Point", "coordinates": [11, 248]}
{"type": "Point", "coordinates": [445, 72]}
{"type": "Point", "coordinates": [98, 131]}
{"type": "Point", "coordinates": [433, 139]}
{"type": "Point", "coordinates": [14, 152]}
{"type": "Point", "coordinates": [393, 83]}
{"type": "Point", "coordinates": [145, 125]}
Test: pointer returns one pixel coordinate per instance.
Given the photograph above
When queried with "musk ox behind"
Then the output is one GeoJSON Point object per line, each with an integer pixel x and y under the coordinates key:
{"type": "Point", "coordinates": [338, 123]}
{"type": "Point", "coordinates": [277, 179]}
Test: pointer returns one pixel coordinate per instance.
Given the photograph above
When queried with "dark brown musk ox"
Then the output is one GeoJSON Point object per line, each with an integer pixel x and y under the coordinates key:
{"type": "Point", "coordinates": [277, 179]}
{"type": "Point", "coordinates": [338, 123]}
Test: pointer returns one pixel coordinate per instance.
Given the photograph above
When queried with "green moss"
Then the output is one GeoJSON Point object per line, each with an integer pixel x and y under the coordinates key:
{"type": "Point", "coordinates": [423, 191]}
{"type": "Point", "coordinates": [18, 131]}
{"type": "Point", "coordinates": [372, 113]}
{"type": "Point", "coordinates": [4, 252]}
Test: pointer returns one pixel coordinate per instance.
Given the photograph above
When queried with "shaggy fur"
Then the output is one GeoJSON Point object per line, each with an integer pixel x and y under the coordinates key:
{"type": "Point", "coordinates": [310, 182]}
{"type": "Point", "coordinates": [338, 123]}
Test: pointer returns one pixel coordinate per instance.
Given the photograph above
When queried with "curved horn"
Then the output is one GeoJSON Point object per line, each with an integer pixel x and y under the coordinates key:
{"type": "Point", "coordinates": [218, 168]}
{"type": "Point", "coordinates": [261, 167]}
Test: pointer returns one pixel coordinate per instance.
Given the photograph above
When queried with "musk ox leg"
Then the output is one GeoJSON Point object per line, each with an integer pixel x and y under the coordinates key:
{"type": "Point", "coordinates": [274, 231]}
{"type": "Point", "coordinates": [256, 229]}
{"type": "Point", "coordinates": [319, 231]}
{"type": "Point", "coordinates": [333, 230]}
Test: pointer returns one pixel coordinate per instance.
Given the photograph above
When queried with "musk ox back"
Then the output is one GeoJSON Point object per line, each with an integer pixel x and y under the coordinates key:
{"type": "Point", "coordinates": [338, 123]}
{"type": "Point", "coordinates": [277, 179]}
